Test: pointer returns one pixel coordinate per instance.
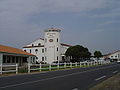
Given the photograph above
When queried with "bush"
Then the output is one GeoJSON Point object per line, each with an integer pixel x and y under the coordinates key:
{"type": "Point", "coordinates": [23, 70]}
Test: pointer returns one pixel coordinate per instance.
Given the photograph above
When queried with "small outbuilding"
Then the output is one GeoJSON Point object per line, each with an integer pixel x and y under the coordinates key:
{"type": "Point", "coordinates": [10, 55]}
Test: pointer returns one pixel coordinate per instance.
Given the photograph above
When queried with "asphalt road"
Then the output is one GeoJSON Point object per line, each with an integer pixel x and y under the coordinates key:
{"type": "Point", "coordinates": [74, 79]}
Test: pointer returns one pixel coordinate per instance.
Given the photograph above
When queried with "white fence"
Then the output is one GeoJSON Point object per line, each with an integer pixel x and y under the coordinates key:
{"type": "Point", "coordinates": [49, 67]}
{"type": "Point", "coordinates": [8, 68]}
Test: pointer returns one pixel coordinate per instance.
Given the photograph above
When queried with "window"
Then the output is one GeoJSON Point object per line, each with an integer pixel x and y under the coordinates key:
{"type": "Point", "coordinates": [42, 50]}
{"type": "Point", "coordinates": [57, 39]}
{"type": "Point", "coordinates": [57, 57]}
{"type": "Point", "coordinates": [36, 57]}
{"type": "Point", "coordinates": [36, 50]}
{"type": "Point", "coordinates": [42, 58]}
{"type": "Point", "coordinates": [32, 44]}
{"type": "Point", "coordinates": [30, 50]}
{"type": "Point", "coordinates": [39, 44]}
{"type": "Point", "coordinates": [57, 48]}
{"type": "Point", "coordinates": [45, 49]}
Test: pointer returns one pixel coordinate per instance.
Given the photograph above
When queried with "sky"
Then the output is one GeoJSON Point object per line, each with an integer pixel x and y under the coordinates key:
{"type": "Point", "coordinates": [92, 23]}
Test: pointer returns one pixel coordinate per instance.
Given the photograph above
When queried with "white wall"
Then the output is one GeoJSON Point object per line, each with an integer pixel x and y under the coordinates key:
{"type": "Point", "coordinates": [52, 43]}
{"type": "Point", "coordinates": [115, 55]}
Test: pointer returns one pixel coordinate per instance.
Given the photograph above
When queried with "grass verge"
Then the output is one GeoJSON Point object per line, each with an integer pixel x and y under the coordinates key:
{"type": "Point", "coordinates": [112, 83]}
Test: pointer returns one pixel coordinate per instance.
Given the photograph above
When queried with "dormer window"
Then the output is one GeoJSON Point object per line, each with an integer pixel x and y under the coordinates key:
{"type": "Point", "coordinates": [32, 44]}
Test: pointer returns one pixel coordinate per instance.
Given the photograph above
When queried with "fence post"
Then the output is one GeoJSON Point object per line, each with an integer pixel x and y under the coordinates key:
{"type": "Point", "coordinates": [76, 64]}
{"type": "Point", "coordinates": [58, 66]}
{"type": "Point", "coordinates": [65, 65]}
{"type": "Point", "coordinates": [1, 69]}
{"type": "Point", "coordinates": [80, 64]}
{"type": "Point", "coordinates": [70, 64]}
{"type": "Point", "coordinates": [40, 67]}
{"type": "Point", "coordinates": [88, 63]}
{"type": "Point", "coordinates": [28, 67]}
{"type": "Point", "coordinates": [16, 68]}
{"type": "Point", "coordinates": [49, 67]}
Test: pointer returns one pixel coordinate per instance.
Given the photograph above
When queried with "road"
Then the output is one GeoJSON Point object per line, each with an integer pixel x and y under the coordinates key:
{"type": "Point", "coordinates": [73, 79]}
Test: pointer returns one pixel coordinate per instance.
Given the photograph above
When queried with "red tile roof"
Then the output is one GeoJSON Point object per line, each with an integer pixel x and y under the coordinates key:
{"type": "Point", "coordinates": [66, 45]}
{"type": "Point", "coordinates": [8, 49]}
{"type": "Point", "coordinates": [43, 46]}
{"type": "Point", "coordinates": [33, 46]}
{"type": "Point", "coordinates": [112, 53]}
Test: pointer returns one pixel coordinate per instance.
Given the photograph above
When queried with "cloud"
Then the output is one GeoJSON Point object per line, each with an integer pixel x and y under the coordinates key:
{"type": "Point", "coordinates": [15, 13]}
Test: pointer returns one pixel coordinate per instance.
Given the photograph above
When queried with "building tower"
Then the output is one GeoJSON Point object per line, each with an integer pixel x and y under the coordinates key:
{"type": "Point", "coordinates": [52, 45]}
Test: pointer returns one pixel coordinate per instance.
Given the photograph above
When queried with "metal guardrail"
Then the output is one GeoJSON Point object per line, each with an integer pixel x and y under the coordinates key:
{"type": "Point", "coordinates": [4, 70]}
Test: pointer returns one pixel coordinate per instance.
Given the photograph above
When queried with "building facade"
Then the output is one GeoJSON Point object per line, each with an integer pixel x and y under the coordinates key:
{"type": "Point", "coordinates": [115, 56]}
{"type": "Point", "coordinates": [10, 55]}
{"type": "Point", "coordinates": [49, 49]}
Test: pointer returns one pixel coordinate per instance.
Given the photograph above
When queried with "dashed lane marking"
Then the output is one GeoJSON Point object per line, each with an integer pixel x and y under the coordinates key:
{"type": "Point", "coordinates": [100, 78]}
{"type": "Point", "coordinates": [115, 71]}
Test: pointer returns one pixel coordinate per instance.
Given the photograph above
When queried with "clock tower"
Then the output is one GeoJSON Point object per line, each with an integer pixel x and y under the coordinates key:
{"type": "Point", "coordinates": [52, 45]}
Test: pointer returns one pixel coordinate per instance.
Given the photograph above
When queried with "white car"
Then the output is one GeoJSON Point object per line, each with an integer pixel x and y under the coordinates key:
{"type": "Point", "coordinates": [118, 61]}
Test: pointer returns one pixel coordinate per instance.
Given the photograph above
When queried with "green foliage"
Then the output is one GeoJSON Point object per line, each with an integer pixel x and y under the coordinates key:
{"type": "Point", "coordinates": [23, 70]}
{"type": "Point", "coordinates": [97, 54]}
{"type": "Point", "coordinates": [78, 52]}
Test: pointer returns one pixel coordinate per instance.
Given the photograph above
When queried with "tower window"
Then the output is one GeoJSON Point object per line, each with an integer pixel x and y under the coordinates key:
{"type": "Point", "coordinates": [42, 58]}
{"type": "Point", "coordinates": [57, 57]}
{"type": "Point", "coordinates": [57, 39]}
{"type": "Point", "coordinates": [42, 50]}
{"type": "Point", "coordinates": [57, 48]}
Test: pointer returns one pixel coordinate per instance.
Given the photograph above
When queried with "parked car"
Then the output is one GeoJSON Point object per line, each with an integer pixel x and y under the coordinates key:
{"type": "Point", "coordinates": [118, 61]}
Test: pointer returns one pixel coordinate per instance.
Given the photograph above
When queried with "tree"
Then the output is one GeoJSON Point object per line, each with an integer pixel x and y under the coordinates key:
{"type": "Point", "coordinates": [77, 53]}
{"type": "Point", "coordinates": [97, 54]}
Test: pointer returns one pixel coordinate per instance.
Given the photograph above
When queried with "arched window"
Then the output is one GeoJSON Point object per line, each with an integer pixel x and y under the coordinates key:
{"type": "Point", "coordinates": [36, 57]}
{"type": "Point", "coordinates": [36, 50]}
{"type": "Point", "coordinates": [39, 44]}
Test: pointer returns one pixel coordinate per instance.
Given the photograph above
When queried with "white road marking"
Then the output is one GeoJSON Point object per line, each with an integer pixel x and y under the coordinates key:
{"type": "Point", "coordinates": [115, 71]}
{"type": "Point", "coordinates": [75, 89]}
{"type": "Point", "coordinates": [100, 78]}
{"type": "Point", "coordinates": [31, 82]}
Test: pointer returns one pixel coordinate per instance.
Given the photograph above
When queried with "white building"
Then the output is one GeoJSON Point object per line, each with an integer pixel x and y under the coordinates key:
{"type": "Point", "coordinates": [113, 56]}
{"type": "Point", "coordinates": [48, 49]}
